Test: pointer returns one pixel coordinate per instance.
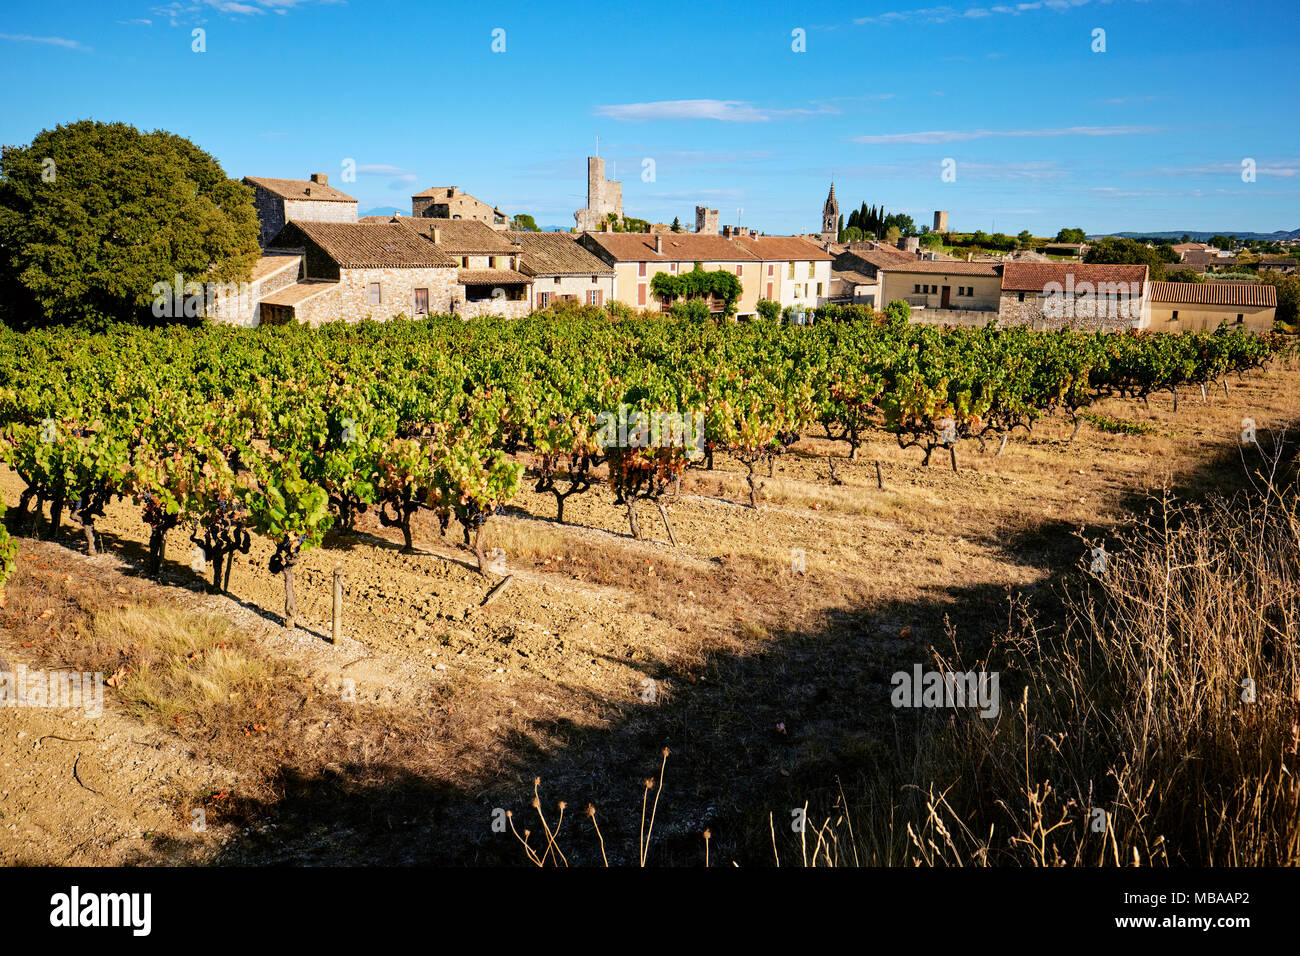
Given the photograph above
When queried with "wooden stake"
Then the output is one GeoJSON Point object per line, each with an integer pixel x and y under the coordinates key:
{"type": "Point", "coordinates": [880, 482]}
{"type": "Point", "coordinates": [337, 631]}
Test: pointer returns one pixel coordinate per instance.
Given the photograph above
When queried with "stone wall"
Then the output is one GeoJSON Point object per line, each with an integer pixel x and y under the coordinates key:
{"type": "Point", "coordinates": [317, 210]}
{"type": "Point", "coordinates": [349, 300]}
{"type": "Point", "coordinates": [969, 318]}
{"type": "Point", "coordinates": [1089, 313]}
{"type": "Point", "coordinates": [246, 309]}
{"type": "Point", "coordinates": [576, 286]}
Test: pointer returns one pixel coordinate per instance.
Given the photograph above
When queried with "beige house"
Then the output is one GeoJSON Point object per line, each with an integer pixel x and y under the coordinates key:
{"type": "Point", "coordinates": [793, 272]}
{"type": "Point", "coordinates": [353, 271]}
{"type": "Point", "coordinates": [1203, 306]}
{"type": "Point", "coordinates": [637, 257]}
{"type": "Point", "coordinates": [562, 270]}
{"type": "Point", "coordinates": [953, 292]}
{"type": "Point", "coordinates": [448, 202]}
{"type": "Point", "coordinates": [280, 201]}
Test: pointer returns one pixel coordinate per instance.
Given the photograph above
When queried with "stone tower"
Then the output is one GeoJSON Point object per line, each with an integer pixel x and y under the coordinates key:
{"type": "Point", "coordinates": [603, 197]}
{"type": "Point", "coordinates": [706, 220]}
{"type": "Point", "coordinates": [831, 217]}
{"type": "Point", "coordinates": [941, 221]}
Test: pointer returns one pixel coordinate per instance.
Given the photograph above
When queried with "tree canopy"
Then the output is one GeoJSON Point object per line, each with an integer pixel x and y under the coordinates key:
{"type": "Point", "coordinates": [93, 214]}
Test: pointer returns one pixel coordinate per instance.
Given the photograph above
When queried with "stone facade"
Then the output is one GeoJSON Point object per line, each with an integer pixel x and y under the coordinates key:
{"type": "Point", "coordinates": [274, 209]}
{"type": "Point", "coordinates": [349, 299]}
{"type": "Point", "coordinates": [831, 217]}
{"type": "Point", "coordinates": [448, 202]}
{"type": "Point", "coordinates": [604, 196]}
{"type": "Point", "coordinates": [1100, 313]}
{"type": "Point", "coordinates": [582, 289]}
{"type": "Point", "coordinates": [940, 221]}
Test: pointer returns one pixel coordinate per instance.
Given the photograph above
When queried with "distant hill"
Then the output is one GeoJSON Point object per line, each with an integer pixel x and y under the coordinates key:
{"type": "Point", "coordinates": [1201, 235]}
{"type": "Point", "coordinates": [385, 211]}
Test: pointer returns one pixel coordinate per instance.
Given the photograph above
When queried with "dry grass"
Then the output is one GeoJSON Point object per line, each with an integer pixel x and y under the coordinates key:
{"type": "Point", "coordinates": [1159, 726]}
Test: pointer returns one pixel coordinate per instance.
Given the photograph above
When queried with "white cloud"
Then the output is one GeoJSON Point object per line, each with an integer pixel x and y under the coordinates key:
{"type": "Point", "coordinates": [932, 137]}
{"type": "Point", "coordinates": [726, 111]}
{"type": "Point", "coordinates": [945, 13]}
{"type": "Point", "coordinates": [397, 176]}
{"type": "Point", "coordinates": [48, 41]}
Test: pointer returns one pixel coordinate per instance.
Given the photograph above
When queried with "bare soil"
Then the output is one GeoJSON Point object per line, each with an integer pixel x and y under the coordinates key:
{"type": "Point", "coordinates": [769, 684]}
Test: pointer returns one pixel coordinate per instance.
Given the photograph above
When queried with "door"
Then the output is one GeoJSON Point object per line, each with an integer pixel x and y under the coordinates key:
{"type": "Point", "coordinates": [946, 301]}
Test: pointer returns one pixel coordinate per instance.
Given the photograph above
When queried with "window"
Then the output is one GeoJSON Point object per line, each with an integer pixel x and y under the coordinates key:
{"type": "Point", "coordinates": [916, 289]}
{"type": "Point", "coordinates": [557, 280]}
{"type": "Point", "coordinates": [464, 262]}
{"type": "Point", "coordinates": [640, 268]}
{"type": "Point", "coordinates": [543, 299]}
{"type": "Point", "coordinates": [373, 295]}
{"type": "Point", "coordinates": [1240, 317]}
{"type": "Point", "coordinates": [640, 293]}
{"type": "Point", "coordinates": [771, 269]}
{"type": "Point", "coordinates": [421, 301]}
{"type": "Point", "coordinates": [1174, 317]}
{"type": "Point", "coordinates": [594, 280]}
{"type": "Point", "coordinates": [737, 269]}
{"type": "Point", "coordinates": [812, 274]}
{"type": "Point", "coordinates": [798, 292]}
{"type": "Point", "coordinates": [819, 289]}
{"type": "Point", "coordinates": [593, 297]}
{"type": "Point", "coordinates": [672, 267]}
{"type": "Point", "coordinates": [790, 271]}
{"type": "Point", "coordinates": [1020, 297]}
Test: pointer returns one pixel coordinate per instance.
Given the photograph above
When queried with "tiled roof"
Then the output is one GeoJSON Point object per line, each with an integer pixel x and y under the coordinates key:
{"type": "Point", "coordinates": [678, 247]}
{"type": "Point", "coordinates": [1278, 261]}
{"type": "Point", "coordinates": [1035, 276]}
{"type": "Point", "coordinates": [1208, 259]}
{"type": "Point", "coordinates": [556, 254]}
{"type": "Point", "coordinates": [436, 191]}
{"type": "Point", "coordinates": [954, 267]}
{"type": "Point", "coordinates": [1182, 247]}
{"type": "Point", "coordinates": [272, 262]}
{"type": "Point", "coordinates": [299, 189]}
{"type": "Point", "coordinates": [299, 292]}
{"type": "Point", "coordinates": [365, 245]}
{"type": "Point", "coordinates": [848, 275]}
{"type": "Point", "coordinates": [490, 277]}
{"type": "Point", "coordinates": [783, 249]}
{"type": "Point", "coordinates": [1214, 293]}
{"type": "Point", "coordinates": [460, 237]}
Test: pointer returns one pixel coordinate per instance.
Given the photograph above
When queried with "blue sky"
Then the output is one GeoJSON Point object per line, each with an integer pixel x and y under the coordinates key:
{"type": "Point", "coordinates": [1043, 132]}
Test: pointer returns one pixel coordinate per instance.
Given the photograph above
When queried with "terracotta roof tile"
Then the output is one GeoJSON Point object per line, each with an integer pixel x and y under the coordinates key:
{"type": "Point", "coordinates": [303, 189]}
{"type": "Point", "coordinates": [1036, 276]}
{"type": "Point", "coordinates": [557, 253]}
{"type": "Point", "coordinates": [783, 249]}
{"type": "Point", "coordinates": [677, 247]}
{"type": "Point", "coordinates": [1214, 293]}
{"type": "Point", "coordinates": [365, 245]}
{"type": "Point", "coordinates": [490, 277]}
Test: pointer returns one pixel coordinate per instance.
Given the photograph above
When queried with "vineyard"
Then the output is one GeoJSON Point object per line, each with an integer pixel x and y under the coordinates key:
{"type": "Point", "coordinates": [289, 433]}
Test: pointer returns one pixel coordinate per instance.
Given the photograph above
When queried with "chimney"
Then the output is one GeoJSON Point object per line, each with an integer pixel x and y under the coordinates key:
{"type": "Point", "coordinates": [726, 232]}
{"type": "Point", "coordinates": [320, 179]}
{"type": "Point", "coordinates": [659, 244]}
{"type": "Point", "coordinates": [437, 237]}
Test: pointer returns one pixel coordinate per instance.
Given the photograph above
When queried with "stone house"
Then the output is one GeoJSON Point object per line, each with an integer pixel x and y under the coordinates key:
{"type": "Point", "coordinates": [1286, 264]}
{"type": "Point", "coordinates": [561, 269]}
{"type": "Point", "coordinates": [281, 201]}
{"type": "Point", "coordinates": [448, 202]}
{"type": "Point", "coordinates": [857, 270]}
{"type": "Point", "coordinates": [1054, 295]}
{"type": "Point", "coordinates": [353, 271]}
{"type": "Point", "coordinates": [487, 265]}
{"type": "Point", "coordinates": [1202, 306]}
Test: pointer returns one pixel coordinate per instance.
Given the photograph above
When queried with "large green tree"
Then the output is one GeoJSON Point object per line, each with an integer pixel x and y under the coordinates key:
{"type": "Point", "coordinates": [92, 215]}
